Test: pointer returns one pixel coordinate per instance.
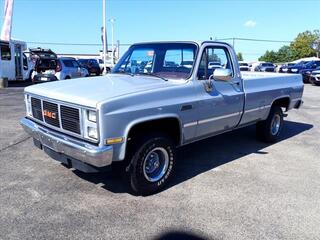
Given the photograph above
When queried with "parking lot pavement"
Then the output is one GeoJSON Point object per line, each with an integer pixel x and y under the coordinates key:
{"type": "Point", "coordinates": [227, 187]}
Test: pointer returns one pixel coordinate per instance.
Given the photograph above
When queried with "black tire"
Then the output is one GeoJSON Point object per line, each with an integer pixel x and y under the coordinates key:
{"type": "Point", "coordinates": [305, 80]}
{"type": "Point", "coordinates": [138, 170]}
{"type": "Point", "coordinates": [67, 77]}
{"type": "Point", "coordinates": [267, 131]}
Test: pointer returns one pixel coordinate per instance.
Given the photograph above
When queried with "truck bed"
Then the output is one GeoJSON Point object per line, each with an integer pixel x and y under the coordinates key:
{"type": "Point", "coordinates": [262, 89]}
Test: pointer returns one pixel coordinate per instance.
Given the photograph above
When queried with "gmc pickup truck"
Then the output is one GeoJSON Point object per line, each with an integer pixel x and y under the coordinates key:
{"type": "Point", "coordinates": [160, 96]}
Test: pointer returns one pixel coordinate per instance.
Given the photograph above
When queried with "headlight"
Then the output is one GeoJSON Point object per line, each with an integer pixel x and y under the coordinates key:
{"type": "Point", "coordinates": [92, 116]}
{"type": "Point", "coordinates": [90, 125]}
{"type": "Point", "coordinates": [92, 132]}
{"type": "Point", "coordinates": [294, 70]}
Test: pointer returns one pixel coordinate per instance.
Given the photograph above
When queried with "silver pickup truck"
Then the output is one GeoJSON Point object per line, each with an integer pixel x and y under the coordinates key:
{"type": "Point", "coordinates": [160, 96]}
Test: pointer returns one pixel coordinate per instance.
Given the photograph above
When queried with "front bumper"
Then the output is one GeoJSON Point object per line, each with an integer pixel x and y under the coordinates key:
{"type": "Point", "coordinates": [315, 79]}
{"type": "Point", "coordinates": [67, 149]}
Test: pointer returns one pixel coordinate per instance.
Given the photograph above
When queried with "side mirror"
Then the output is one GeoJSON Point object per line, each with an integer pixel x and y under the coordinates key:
{"type": "Point", "coordinates": [221, 74]}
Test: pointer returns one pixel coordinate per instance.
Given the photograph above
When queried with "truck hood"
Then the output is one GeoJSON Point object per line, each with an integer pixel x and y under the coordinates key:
{"type": "Point", "coordinates": [90, 91]}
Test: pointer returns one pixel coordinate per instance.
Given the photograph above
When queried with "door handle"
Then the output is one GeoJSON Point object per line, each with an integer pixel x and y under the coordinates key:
{"type": "Point", "coordinates": [186, 107]}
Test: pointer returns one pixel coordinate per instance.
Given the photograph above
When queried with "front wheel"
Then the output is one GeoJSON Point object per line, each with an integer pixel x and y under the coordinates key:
{"type": "Point", "coordinates": [269, 130]}
{"type": "Point", "coordinates": [152, 164]}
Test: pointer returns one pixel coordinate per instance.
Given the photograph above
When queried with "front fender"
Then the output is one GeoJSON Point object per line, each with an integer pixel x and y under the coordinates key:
{"type": "Point", "coordinates": [122, 149]}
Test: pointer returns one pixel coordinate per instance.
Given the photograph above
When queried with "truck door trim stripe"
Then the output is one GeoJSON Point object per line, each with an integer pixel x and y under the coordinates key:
{"type": "Point", "coordinates": [257, 109]}
{"type": "Point", "coordinates": [219, 118]}
{"type": "Point", "coordinates": [190, 124]}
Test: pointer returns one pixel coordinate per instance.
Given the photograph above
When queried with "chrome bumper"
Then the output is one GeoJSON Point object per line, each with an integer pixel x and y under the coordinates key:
{"type": "Point", "coordinates": [69, 147]}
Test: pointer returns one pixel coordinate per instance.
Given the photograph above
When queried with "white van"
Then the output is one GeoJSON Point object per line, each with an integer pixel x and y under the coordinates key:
{"type": "Point", "coordinates": [14, 64]}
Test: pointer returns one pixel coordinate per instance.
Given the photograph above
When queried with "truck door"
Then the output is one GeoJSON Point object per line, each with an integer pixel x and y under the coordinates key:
{"type": "Point", "coordinates": [220, 102]}
{"type": "Point", "coordinates": [18, 61]}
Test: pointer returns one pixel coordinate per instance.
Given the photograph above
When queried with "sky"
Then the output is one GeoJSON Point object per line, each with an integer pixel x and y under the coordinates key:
{"type": "Point", "coordinates": [80, 21]}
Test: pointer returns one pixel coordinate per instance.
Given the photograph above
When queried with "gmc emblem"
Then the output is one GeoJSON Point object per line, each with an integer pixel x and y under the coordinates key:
{"type": "Point", "coordinates": [49, 114]}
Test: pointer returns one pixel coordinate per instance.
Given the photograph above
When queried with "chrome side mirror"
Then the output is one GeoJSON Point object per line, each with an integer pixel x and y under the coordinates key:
{"type": "Point", "coordinates": [221, 74]}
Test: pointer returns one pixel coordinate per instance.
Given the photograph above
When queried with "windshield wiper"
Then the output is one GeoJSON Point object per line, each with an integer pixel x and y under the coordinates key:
{"type": "Point", "coordinates": [152, 75]}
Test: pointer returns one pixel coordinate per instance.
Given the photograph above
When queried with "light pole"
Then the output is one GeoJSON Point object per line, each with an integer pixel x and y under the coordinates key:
{"type": "Point", "coordinates": [104, 32]}
{"type": "Point", "coordinates": [112, 20]}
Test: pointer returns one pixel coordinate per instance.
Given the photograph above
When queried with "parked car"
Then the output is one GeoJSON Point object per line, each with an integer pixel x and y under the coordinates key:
{"type": "Point", "coordinates": [213, 65]}
{"type": "Point", "coordinates": [45, 63]}
{"type": "Point", "coordinates": [304, 68]}
{"type": "Point", "coordinates": [91, 65]}
{"type": "Point", "coordinates": [307, 70]}
{"type": "Point", "coordinates": [244, 66]}
{"type": "Point", "coordinates": [315, 77]}
{"type": "Point", "coordinates": [265, 67]}
{"type": "Point", "coordinates": [50, 68]}
{"type": "Point", "coordinates": [284, 68]}
{"type": "Point", "coordinates": [138, 119]}
{"type": "Point", "coordinates": [108, 65]}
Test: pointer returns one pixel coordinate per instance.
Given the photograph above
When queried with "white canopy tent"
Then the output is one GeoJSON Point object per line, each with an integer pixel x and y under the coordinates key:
{"type": "Point", "coordinates": [307, 59]}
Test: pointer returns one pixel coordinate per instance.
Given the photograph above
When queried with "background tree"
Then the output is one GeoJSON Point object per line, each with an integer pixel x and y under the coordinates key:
{"type": "Point", "coordinates": [240, 57]}
{"type": "Point", "coordinates": [269, 56]}
{"type": "Point", "coordinates": [299, 48]}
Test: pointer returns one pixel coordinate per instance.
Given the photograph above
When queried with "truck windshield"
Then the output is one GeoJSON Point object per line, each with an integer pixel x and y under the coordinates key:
{"type": "Point", "coordinates": [166, 60]}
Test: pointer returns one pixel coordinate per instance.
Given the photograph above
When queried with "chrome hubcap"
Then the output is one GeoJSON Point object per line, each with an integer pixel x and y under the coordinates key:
{"type": "Point", "coordinates": [275, 124]}
{"type": "Point", "coordinates": [155, 164]}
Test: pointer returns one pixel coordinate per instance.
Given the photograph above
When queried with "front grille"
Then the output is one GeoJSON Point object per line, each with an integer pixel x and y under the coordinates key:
{"type": "Point", "coordinates": [70, 119]}
{"type": "Point", "coordinates": [51, 113]}
{"type": "Point", "coordinates": [36, 108]}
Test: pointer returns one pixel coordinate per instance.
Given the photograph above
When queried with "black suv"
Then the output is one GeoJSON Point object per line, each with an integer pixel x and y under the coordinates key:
{"type": "Point", "coordinates": [91, 64]}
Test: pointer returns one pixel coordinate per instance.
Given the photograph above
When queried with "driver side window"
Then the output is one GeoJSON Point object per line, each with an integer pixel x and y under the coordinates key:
{"type": "Point", "coordinates": [213, 58]}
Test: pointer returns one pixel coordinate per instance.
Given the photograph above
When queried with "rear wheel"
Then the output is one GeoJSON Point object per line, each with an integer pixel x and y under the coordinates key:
{"type": "Point", "coordinates": [152, 164]}
{"type": "Point", "coordinates": [270, 129]}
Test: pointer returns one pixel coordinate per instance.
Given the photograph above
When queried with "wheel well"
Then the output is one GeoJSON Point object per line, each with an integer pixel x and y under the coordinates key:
{"type": "Point", "coordinates": [169, 126]}
{"type": "Point", "coordinates": [282, 102]}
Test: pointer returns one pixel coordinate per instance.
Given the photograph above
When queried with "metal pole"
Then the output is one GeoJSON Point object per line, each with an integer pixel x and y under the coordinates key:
{"type": "Point", "coordinates": [104, 37]}
{"type": "Point", "coordinates": [112, 40]}
{"type": "Point", "coordinates": [118, 50]}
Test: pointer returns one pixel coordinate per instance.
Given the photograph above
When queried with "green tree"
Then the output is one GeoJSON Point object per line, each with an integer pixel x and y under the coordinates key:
{"type": "Point", "coordinates": [301, 46]}
{"type": "Point", "coordinates": [285, 54]}
{"type": "Point", "coordinates": [240, 57]}
{"type": "Point", "coordinates": [269, 56]}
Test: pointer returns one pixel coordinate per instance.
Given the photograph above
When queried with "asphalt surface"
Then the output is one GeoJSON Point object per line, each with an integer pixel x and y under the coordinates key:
{"type": "Point", "coordinates": [227, 187]}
